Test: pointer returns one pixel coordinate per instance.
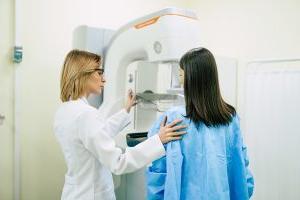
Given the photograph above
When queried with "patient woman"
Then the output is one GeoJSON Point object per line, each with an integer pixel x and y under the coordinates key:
{"type": "Point", "coordinates": [210, 162]}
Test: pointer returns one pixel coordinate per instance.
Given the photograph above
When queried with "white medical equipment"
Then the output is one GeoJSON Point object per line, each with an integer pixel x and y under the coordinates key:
{"type": "Point", "coordinates": [143, 56]}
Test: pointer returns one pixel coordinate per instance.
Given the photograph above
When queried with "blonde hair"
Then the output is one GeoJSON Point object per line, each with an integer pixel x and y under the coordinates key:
{"type": "Point", "coordinates": [78, 65]}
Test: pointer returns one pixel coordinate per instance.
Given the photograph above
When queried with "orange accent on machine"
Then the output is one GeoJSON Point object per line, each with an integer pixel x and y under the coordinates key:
{"type": "Point", "coordinates": [155, 19]}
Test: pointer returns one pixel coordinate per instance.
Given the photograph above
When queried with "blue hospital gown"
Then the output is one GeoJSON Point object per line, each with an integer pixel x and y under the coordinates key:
{"type": "Point", "coordinates": [209, 163]}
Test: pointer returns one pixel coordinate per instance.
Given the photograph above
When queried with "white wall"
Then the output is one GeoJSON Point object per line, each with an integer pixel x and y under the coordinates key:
{"type": "Point", "coordinates": [250, 29]}
{"type": "Point", "coordinates": [6, 99]}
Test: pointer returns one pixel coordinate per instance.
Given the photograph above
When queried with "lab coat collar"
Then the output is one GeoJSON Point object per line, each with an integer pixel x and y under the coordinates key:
{"type": "Point", "coordinates": [84, 100]}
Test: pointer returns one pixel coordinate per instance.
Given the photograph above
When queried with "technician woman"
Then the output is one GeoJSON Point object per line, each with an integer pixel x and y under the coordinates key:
{"type": "Point", "coordinates": [86, 137]}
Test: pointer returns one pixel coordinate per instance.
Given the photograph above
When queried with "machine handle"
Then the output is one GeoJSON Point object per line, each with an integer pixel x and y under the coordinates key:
{"type": "Point", "coordinates": [134, 139]}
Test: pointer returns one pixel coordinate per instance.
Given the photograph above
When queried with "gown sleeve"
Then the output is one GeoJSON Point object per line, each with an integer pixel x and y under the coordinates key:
{"type": "Point", "coordinates": [241, 180]}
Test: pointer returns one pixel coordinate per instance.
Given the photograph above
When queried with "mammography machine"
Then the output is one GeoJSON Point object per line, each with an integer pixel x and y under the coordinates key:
{"type": "Point", "coordinates": [143, 56]}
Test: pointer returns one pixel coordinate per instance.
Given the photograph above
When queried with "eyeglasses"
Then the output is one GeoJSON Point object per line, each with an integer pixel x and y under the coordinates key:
{"type": "Point", "coordinates": [100, 71]}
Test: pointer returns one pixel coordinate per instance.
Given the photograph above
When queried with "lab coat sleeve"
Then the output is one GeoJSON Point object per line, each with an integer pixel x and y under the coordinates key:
{"type": "Point", "coordinates": [156, 173]}
{"type": "Point", "coordinates": [241, 180]}
{"type": "Point", "coordinates": [96, 139]}
{"type": "Point", "coordinates": [117, 122]}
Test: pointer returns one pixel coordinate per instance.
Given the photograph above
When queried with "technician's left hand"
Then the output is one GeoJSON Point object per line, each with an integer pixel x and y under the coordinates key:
{"type": "Point", "coordinates": [131, 100]}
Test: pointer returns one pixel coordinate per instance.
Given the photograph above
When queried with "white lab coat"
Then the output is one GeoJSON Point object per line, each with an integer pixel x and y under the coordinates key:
{"type": "Point", "coordinates": [90, 151]}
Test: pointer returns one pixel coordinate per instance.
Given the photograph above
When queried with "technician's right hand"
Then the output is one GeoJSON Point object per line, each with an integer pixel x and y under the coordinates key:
{"type": "Point", "coordinates": [170, 131]}
{"type": "Point", "coordinates": [131, 100]}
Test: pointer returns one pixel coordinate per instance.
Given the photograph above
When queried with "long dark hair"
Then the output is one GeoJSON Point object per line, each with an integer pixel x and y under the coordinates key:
{"type": "Point", "coordinates": [203, 99]}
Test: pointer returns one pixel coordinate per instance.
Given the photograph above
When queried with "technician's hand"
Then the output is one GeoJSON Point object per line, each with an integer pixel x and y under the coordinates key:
{"type": "Point", "coordinates": [170, 132]}
{"type": "Point", "coordinates": [131, 100]}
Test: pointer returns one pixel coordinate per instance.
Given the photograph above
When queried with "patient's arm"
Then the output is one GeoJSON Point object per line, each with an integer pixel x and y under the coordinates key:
{"type": "Point", "coordinates": [241, 181]}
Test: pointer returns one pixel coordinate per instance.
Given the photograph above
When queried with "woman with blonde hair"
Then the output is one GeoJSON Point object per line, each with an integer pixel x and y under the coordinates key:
{"type": "Point", "coordinates": [86, 137]}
